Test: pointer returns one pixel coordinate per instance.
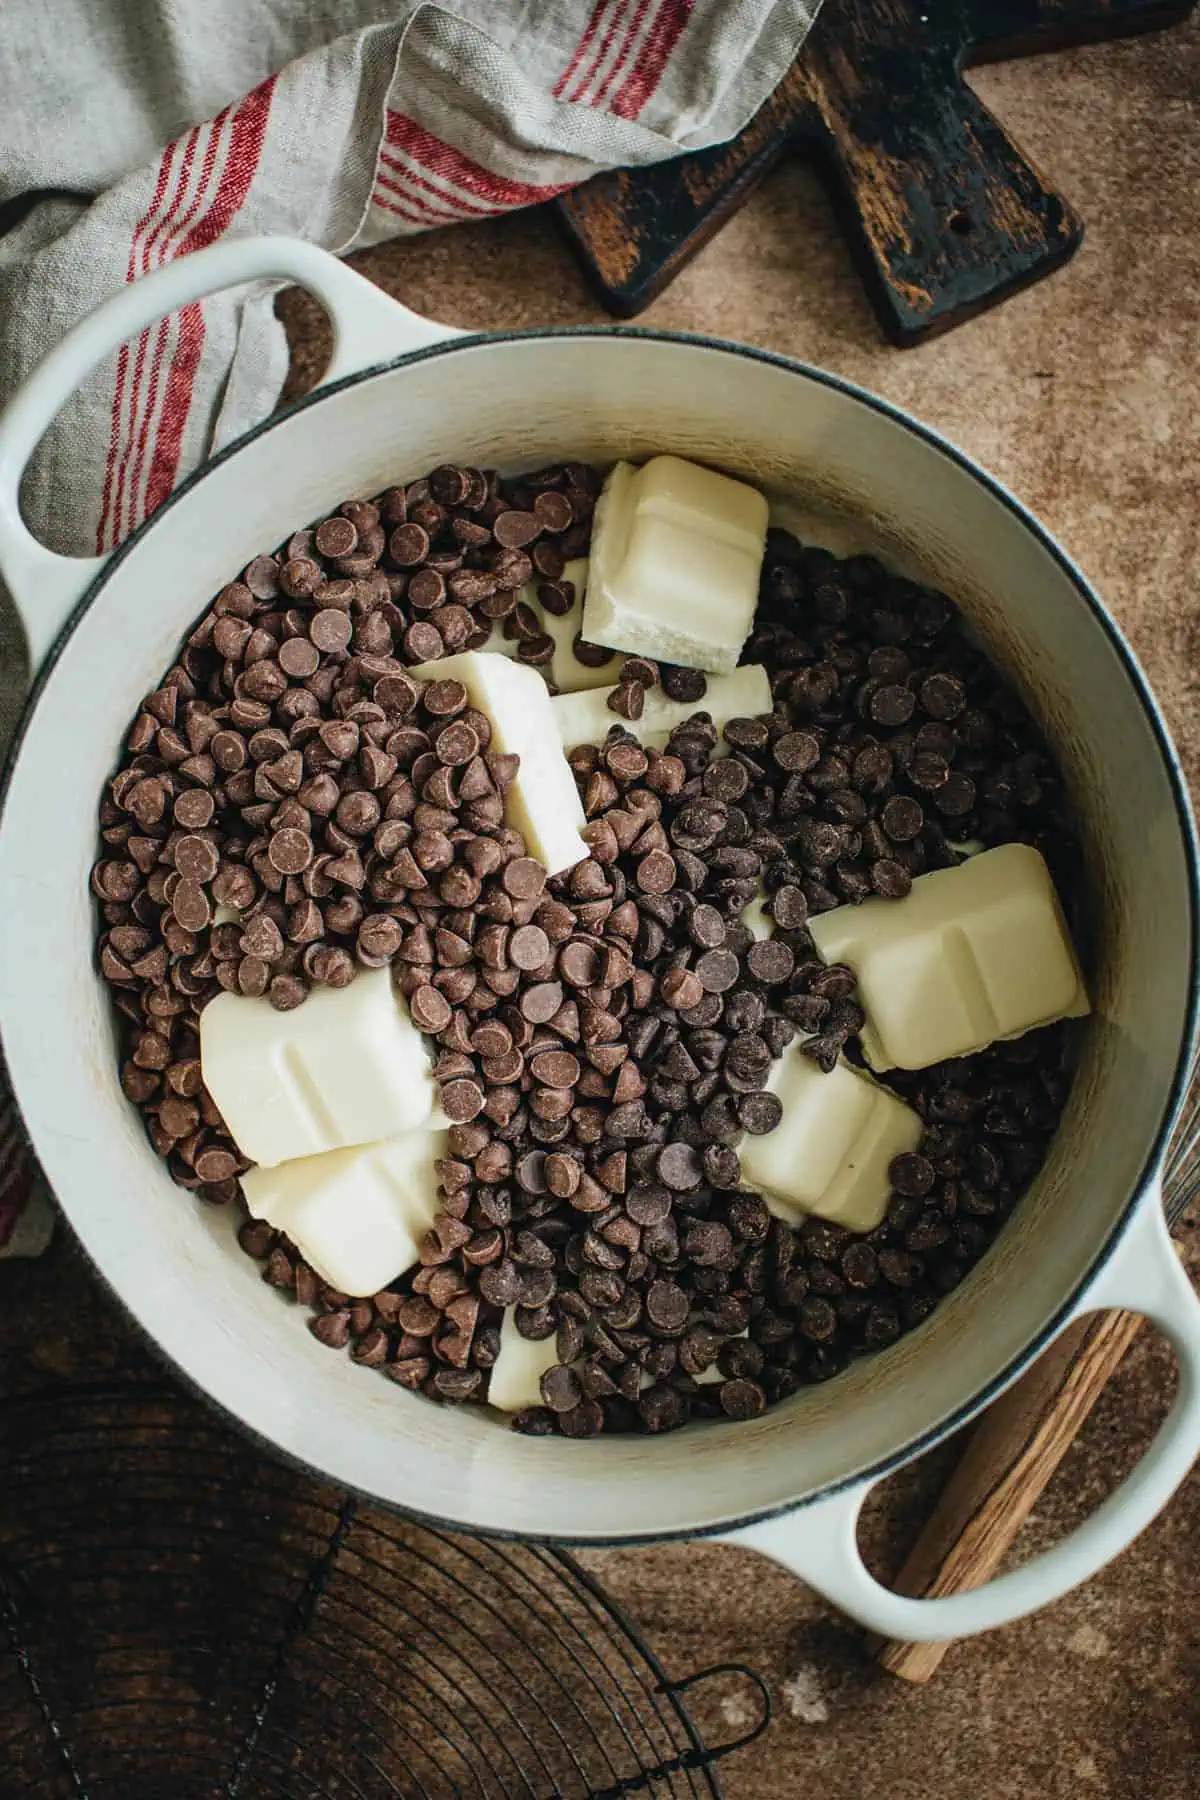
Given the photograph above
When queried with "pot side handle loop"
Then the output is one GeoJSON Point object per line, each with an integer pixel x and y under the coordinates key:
{"type": "Point", "coordinates": [819, 1542]}
{"type": "Point", "coordinates": [368, 327]}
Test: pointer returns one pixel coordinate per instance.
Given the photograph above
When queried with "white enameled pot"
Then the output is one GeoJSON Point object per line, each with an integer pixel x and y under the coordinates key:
{"type": "Point", "coordinates": [401, 395]}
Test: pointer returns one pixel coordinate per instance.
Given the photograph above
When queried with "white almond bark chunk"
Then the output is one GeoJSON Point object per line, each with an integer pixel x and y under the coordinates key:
{"type": "Point", "coordinates": [831, 1152]}
{"type": "Point", "coordinates": [587, 719]}
{"type": "Point", "coordinates": [347, 1067]}
{"type": "Point", "coordinates": [973, 954]}
{"type": "Point", "coordinates": [543, 804]}
{"type": "Point", "coordinates": [498, 644]}
{"type": "Point", "coordinates": [516, 1378]}
{"type": "Point", "coordinates": [565, 670]}
{"type": "Point", "coordinates": [358, 1216]}
{"type": "Point", "coordinates": [676, 554]}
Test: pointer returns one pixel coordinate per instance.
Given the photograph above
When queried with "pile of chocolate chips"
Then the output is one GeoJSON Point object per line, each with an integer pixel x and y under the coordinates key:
{"type": "Point", "coordinates": [602, 1040]}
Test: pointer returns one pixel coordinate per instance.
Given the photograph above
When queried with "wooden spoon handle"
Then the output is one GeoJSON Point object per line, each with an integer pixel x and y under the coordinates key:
{"type": "Point", "coordinates": [1011, 1456]}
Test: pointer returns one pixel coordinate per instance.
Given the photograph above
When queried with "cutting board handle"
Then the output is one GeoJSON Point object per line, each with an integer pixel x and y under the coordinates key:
{"type": "Point", "coordinates": [941, 208]}
{"type": "Point", "coordinates": [944, 213]}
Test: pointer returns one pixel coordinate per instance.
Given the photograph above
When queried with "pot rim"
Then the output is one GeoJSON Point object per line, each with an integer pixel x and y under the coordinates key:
{"type": "Point", "coordinates": [1142, 1189]}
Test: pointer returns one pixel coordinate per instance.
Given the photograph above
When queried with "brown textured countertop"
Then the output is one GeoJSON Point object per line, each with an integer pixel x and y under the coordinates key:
{"type": "Point", "coordinates": [1082, 395]}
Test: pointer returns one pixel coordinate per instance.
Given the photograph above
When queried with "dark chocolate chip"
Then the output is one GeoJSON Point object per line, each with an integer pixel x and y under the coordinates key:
{"type": "Point", "coordinates": [759, 1113]}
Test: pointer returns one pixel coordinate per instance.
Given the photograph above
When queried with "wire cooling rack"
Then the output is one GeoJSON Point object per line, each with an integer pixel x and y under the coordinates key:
{"type": "Point", "coordinates": [186, 1620]}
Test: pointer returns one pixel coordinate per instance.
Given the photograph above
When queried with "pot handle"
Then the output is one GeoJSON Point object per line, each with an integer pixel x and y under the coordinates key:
{"type": "Point", "coordinates": [368, 327]}
{"type": "Point", "coordinates": [819, 1542]}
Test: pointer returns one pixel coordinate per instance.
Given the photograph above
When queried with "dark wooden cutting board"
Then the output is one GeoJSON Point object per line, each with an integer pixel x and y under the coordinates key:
{"type": "Point", "coordinates": [944, 213]}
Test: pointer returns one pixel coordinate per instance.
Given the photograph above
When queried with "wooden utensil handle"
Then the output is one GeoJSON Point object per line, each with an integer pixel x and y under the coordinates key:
{"type": "Point", "coordinates": [1015, 1449]}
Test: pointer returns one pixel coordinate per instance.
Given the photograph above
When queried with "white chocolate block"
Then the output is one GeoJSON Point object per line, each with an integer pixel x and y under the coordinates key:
{"type": "Point", "coordinates": [974, 953]}
{"type": "Point", "coordinates": [543, 804]}
{"type": "Point", "coordinates": [676, 555]}
{"type": "Point", "coordinates": [568, 674]}
{"type": "Point", "coordinates": [358, 1215]}
{"type": "Point", "coordinates": [587, 719]}
{"type": "Point", "coordinates": [498, 644]}
{"type": "Point", "coordinates": [517, 1372]}
{"type": "Point", "coordinates": [347, 1067]}
{"type": "Point", "coordinates": [565, 670]}
{"type": "Point", "coordinates": [831, 1151]}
